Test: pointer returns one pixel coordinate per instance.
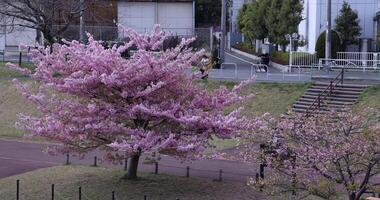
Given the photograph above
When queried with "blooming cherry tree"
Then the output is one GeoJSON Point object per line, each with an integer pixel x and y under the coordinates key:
{"type": "Point", "coordinates": [93, 98]}
{"type": "Point", "coordinates": [302, 153]}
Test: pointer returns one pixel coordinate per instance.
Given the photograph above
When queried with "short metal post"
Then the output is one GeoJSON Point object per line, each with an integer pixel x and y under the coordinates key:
{"type": "Point", "coordinates": [156, 168]}
{"type": "Point", "coordinates": [18, 190]}
{"type": "Point", "coordinates": [125, 163]}
{"type": "Point", "coordinates": [113, 195]}
{"type": "Point", "coordinates": [20, 59]}
{"type": "Point", "coordinates": [220, 175]}
{"type": "Point", "coordinates": [52, 192]}
{"type": "Point", "coordinates": [187, 171]}
{"type": "Point", "coordinates": [342, 78]}
{"type": "Point", "coordinates": [95, 161]}
{"type": "Point", "coordinates": [319, 101]}
{"type": "Point", "coordinates": [262, 171]}
{"type": "Point", "coordinates": [67, 159]}
{"type": "Point", "coordinates": [80, 193]}
{"type": "Point", "coordinates": [145, 197]}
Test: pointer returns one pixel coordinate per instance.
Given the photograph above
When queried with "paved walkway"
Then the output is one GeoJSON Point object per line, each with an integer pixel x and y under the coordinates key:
{"type": "Point", "coordinates": [20, 157]}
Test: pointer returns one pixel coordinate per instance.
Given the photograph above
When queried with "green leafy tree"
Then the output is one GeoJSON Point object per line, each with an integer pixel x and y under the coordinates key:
{"type": "Point", "coordinates": [347, 25]}
{"type": "Point", "coordinates": [289, 18]}
{"type": "Point", "coordinates": [272, 21]}
{"type": "Point", "coordinates": [208, 12]}
{"type": "Point", "coordinates": [336, 44]}
{"type": "Point", "coordinates": [251, 20]}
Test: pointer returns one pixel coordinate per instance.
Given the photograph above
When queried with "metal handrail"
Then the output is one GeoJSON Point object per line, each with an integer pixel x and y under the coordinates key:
{"type": "Point", "coordinates": [233, 64]}
{"type": "Point", "coordinates": [323, 95]}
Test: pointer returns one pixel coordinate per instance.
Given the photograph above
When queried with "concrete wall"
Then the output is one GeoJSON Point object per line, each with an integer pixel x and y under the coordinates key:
{"type": "Point", "coordinates": [18, 35]}
{"type": "Point", "coordinates": [315, 18]}
{"type": "Point", "coordinates": [141, 16]}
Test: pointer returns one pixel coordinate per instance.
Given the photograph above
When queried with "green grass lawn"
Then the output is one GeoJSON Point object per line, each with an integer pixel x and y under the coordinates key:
{"type": "Point", "coordinates": [98, 184]}
{"type": "Point", "coordinates": [370, 98]}
{"type": "Point", "coordinates": [5, 72]}
{"type": "Point", "coordinates": [273, 98]}
{"type": "Point", "coordinates": [11, 104]}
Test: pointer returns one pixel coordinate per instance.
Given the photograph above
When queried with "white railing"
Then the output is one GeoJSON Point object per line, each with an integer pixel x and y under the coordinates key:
{"type": "Point", "coordinates": [359, 55]}
{"type": "Point", "coordinates": [350, 64]}
{"type": "Point", "coordinates": [233, 64]}
{"type": "Point", "coordinates": [303, 59]}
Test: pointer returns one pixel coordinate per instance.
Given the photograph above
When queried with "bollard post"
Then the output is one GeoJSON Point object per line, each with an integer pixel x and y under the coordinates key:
{"type": "Point", "coordinates": [52, 191]}
{"type": "Point", "coordinates": [156, 168]}
{"type": "Point", "coordinates": [125, 164]}
{"type": "Point", "coordinates": [67, 159]}
{"type": "Point", "coordinates": [187, 171]}
{"type": "Point", "coordinates": [113, 195]}
{"type": "Point", "coordinates": [220, 175]}
{"type": "Point", "coordinates": [20, 59]}
{"type": "Point", "coordinates": [95, 161]}
{"type": "Point", "coordinates": [80, 193]}
{"type": "Point", "coordinates": [145, 197]}
{"type": "Point", "coordinates": [18, 190]}
{"type": "Point", "coordinates": [262, 171]}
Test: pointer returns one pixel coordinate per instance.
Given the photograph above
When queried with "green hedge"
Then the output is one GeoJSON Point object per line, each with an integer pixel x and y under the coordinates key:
{"type": "Point", "coordinates": [245, 47]}
{"type": "Point", "coordinates": [280, 57]}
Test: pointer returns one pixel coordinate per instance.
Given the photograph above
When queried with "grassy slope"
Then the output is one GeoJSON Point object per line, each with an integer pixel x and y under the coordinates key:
{"type": "Point", "coordinates": [98, 184]}
{"type": "Point", "coordinates": [273, 98]}
{"type": "Point", "coordinates": [11, 104]}
{"type": "Point", "coordinates": [370, 98]}
{"type": "Point", "coordinates": [5, 72]}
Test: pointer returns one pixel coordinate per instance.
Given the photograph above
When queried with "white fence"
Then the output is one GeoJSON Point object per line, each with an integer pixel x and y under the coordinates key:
{"type": "Point", "coordinates": [303, 59]}
{"type": "Point", "coordinates": [349, 60]}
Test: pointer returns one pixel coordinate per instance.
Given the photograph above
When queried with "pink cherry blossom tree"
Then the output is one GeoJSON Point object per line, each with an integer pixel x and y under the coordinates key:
{"type": "Point", "coordinates": [93, 98]}
{"type": "Point", "coordinates": [334, 149]}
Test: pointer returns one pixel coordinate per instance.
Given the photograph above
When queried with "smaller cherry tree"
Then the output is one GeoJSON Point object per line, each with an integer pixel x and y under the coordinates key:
{"type": "Point", "coordinates": [324, 150]}
{"type": "Point", "coordinates": [93, 98]}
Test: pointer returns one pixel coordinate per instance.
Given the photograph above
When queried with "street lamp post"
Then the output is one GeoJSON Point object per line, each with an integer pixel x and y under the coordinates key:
{"type": "Point", "coordinates": [291, 37]}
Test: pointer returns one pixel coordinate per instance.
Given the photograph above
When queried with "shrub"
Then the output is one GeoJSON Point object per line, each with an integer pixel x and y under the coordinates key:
{"type": "Point", "coordinates": [336, 44]}
{"type": "Point", "coordinates": [280, 57]}
{"type": "Point", "coordinates": [245, 47]}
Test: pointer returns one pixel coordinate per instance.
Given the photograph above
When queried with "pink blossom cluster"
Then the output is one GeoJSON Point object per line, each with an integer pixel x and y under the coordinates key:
{"type": "Point", "coordinates": [340, 147]}
{"type": "Point", "coordinates": [93, 98]}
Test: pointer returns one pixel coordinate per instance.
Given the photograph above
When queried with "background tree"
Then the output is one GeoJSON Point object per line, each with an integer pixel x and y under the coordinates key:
{"type": "Point", "coordinates": [251, 20]}
{"type": "Point", "coordinates": [340, 148]}
{"type": "Point", "coordinates": [92, 98]}
{"type": "Point", "coordinates": [348, 26]}
{"type": "Point", "coordinates": [50, 17]}
{"type": "Point", "coordinates": [208, 13]}
{"type": "Point", "coordinates": [290, 16]}
{"type": "Point", "coordinates": [272, 22]}
{"type": "Point", "coordinates": [336, 44]}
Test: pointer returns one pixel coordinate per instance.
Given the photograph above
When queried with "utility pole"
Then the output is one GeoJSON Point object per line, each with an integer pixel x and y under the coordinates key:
{"type": "Point", "coordinates": [328, 31]}
{"type": "Point", "coordinates": [224, 29]}
{"type": "Point", "coordinates": [82, 33]}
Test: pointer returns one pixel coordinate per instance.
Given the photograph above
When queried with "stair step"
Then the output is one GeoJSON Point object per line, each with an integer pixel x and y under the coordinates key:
{"type": "Point", "coordinates": [340, 88]}
{"type": "Point", "coordinates": [331, 102]}
{"type": "Point", "coordinates": [300, 110]}
{"type": "Point", "coordinates": [335, 91]}
{"type": "Point", "coordinates": [341, 85]}
{"type": "Point", "coordinates": [327, 103]}
{"type": "Point", "coordinates": [307, 96]}
{"type": "Point", "coordinates": [333, 95]}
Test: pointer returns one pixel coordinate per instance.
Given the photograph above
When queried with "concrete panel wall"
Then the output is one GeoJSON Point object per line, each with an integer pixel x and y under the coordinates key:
{"type": "Point", "coordinates": [141, 16]}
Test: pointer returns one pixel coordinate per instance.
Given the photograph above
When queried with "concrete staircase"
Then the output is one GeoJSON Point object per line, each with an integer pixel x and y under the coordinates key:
{"type": "Point", "coordinates": [342, 97]}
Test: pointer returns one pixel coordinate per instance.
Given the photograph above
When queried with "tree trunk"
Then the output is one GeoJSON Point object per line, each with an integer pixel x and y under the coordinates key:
{"type": "Point", "coordinates": [352, 196]}
{"type": "Point", "coordinates": [132, 167]}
